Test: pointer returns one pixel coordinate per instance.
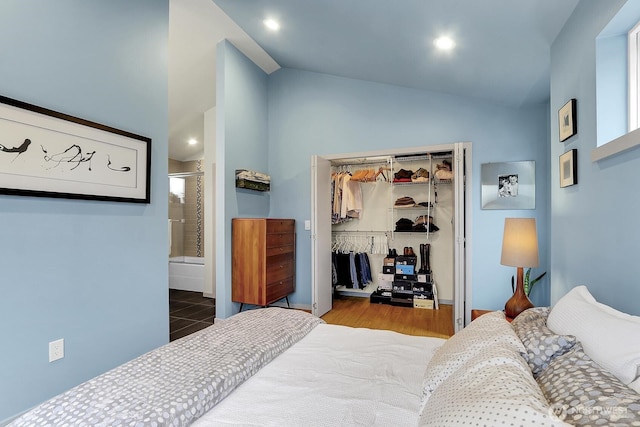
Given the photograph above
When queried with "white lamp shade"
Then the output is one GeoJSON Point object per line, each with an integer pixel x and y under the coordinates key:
{"type": "Point", "coordinates": [520, 243]}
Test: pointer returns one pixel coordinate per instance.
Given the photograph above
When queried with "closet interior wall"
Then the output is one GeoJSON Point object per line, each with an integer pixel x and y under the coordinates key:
{"type": "Point", "coordinates": [374, 232]}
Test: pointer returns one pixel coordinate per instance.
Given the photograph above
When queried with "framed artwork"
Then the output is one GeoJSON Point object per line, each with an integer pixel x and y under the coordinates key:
{"type": "Point", "coordinates": [567, 123]}
{"type": "Point", "coordinates": [50, 154]}
{"type": "Point", "coordinates": [509, 185]}
{"type": "Point", "coordinates": [569, 168]}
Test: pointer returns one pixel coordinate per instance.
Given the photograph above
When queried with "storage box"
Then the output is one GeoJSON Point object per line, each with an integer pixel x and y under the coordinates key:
{"type": "Point", "coordinates": [385, 281]}
{"type": "Point", "coordinates": [405, 277]}
{"type": "Point", "coordinates": [424, 295]}
{"type": "Point", "coordinates": [425, 277]}
{"type": "Point", "coordinates": [405, 269]}
{"type": "Point", "coordinates": [382, 277]}
{"type": "Point", "coordinates": [402, 302]}
{"type": "Point", "coordinates": [388, 269]}
{"type": "Point", "coordinates": [423, 287]}
{"type": "Point", "coordinates": [406, 260]}
{"type": "Point", "coordinates": [403, 286]}
{"type": "Point", "coordinates": [380, 297]}
{"type": "Point", "coordinates": [423, 303]}
{"type": "Point", "coordinates": [389, 261]}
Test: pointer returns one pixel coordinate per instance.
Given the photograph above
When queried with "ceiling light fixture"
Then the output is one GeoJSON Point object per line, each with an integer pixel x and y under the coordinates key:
{"type": "Point", "coordinates": [193, 141]}
{"type": "Point", "coordinates": [444, 43]}
{"type": "Point", "coordinates": [271, 24]}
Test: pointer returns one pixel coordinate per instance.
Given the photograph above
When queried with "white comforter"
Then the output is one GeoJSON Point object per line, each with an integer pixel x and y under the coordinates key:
{"type": "Point", "coordinates": [351, 377]}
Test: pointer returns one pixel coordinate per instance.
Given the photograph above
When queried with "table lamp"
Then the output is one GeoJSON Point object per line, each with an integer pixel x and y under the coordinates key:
{"type": "Point", "coordinates": [519, 249]}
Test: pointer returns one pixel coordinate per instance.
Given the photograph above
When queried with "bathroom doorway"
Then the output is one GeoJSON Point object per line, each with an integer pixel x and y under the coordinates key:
{"type": "Point", "coordinates": [186, 226]}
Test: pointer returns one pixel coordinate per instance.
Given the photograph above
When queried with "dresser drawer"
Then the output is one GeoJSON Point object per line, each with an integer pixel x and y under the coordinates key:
{"type": "Point", "coordinates": [279, 289]}
{"type": "Point", "coordinates": [280, 226]}
{"type": "Point", "coordinates": [279, 250]}
{"type": "Point", "coordinates": [280, 239]}
{"type": "Point", "coordinates": [280, 270]}
{"type": "Point", "coordinates": [277, 260]}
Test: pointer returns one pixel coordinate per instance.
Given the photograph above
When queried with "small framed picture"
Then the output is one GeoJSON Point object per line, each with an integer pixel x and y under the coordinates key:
{"type": "Point", "coordinates": [567, 124]}
{"type": "Point", "coordinates": [569, 168]}
{"type": "Point", "coordinates": [508, 185]}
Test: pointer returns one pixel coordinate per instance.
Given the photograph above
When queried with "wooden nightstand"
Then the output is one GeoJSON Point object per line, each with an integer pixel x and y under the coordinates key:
{"type": "Point", "coordinates": [477, 313]}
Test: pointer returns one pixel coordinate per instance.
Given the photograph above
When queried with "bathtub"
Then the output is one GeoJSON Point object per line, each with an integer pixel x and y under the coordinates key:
{"type": "Point", "coordinates": [186, 273]}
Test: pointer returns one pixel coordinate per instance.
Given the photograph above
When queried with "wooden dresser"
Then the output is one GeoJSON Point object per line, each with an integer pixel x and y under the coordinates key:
{"type": "Point", "coordinates": [263, 260]}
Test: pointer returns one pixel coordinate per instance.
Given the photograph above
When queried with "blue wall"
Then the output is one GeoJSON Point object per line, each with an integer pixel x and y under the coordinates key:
{"type": "Point", "coordinates": [241, 143]}
{"type": "Point", "coordinates": [594, 224]}
{"type": "Point", "coordinates": [93, 273]}
{"type": "Point", "coordinates": [311, 113]}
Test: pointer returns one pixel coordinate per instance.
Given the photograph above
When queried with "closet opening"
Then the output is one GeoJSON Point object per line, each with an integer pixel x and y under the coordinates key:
{"type": "Point", "coordinates": [390, 227]}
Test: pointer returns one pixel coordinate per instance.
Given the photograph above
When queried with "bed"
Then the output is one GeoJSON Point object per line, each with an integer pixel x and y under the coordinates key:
{"type": "Point", "coordinates": [280, 367]}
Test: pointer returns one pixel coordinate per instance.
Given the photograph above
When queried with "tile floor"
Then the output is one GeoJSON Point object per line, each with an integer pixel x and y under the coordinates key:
{"type": "Point", "coordinates": [189, 312]}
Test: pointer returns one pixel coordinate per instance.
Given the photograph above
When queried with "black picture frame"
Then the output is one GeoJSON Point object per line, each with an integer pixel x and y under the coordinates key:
{"type": "Point", "coordinates": [569, 168]}
{"type": "Point", "coordinates": [567, 120]}
{"type": "Point", "coordinates": [45, 153]}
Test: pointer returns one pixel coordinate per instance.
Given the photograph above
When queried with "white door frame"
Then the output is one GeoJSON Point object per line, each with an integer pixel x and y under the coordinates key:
{"type": "Point", "coordinates": [462, 220]}
{"type": "Point", "coordinates": [322, 297]}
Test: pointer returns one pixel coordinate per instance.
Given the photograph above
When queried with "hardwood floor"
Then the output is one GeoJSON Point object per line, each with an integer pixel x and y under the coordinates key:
{"type": "Point", "coordinates": [190, 312]}
{"type": "Point", "coordinates": [360, 313]}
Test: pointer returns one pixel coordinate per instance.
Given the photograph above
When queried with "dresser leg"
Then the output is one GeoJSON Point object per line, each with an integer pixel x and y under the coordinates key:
{"type": "Point", "coordinates": [241, 305]}
{"type": "Point", "coordinates": [287, 298]}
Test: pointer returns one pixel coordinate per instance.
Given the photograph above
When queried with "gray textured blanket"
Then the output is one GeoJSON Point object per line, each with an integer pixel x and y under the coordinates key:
{"type": "Point", "coordinates": [175, 384]}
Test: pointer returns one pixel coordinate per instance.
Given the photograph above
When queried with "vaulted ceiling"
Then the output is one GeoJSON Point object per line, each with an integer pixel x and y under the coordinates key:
{"type": "Point", "coordinates": [502, 52]}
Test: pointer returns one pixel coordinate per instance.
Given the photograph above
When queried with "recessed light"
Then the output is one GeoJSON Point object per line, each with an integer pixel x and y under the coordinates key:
{"type": "Point", "coordinates": [444, 43]}
{"type": "Point", "coordinates": [193, 141]}
{"type": "Point", "coordinates": [271, 24]}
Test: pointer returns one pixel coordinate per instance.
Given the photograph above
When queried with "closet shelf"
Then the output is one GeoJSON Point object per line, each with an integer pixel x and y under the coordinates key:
{"type": "Point", "coordinates": [412, 208]}
{"type": "Point", "coordinates": [361, 231]}
{"type": "Point", "coordinates": [427, 234]}
{"type": "Point", "coordinates": [381, 160]}
{"type": "Point", "coordinates": [413, 158]}
{"type": "Point", "coordinates": [442, 181]}
{"type": "Point", "coordinates": [400, 184]}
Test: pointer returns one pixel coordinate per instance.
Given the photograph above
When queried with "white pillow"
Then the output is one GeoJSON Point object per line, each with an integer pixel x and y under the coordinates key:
{"type": "Point", "coordinates": [610, 337]}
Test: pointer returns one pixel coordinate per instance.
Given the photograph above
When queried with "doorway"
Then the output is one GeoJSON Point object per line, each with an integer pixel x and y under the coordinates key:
{"type": "Point", "coordinates": [186, 226]}
{"type": "Point", "coordinates": [321, 224]}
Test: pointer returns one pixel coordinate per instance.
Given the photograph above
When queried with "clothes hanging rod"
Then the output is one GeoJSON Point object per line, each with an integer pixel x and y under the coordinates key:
{"type": "Point", "coordinates": [360, 231]}
{"type": "Point", "coordinates": [362, 161]}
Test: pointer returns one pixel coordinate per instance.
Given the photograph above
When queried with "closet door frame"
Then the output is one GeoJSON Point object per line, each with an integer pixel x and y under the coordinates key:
{"type": "Point", "coordinates": [321, 275]}
{"type": "Point", "coordinates": [322, 297]}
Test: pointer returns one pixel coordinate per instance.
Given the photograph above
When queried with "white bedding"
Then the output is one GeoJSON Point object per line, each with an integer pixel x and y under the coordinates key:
{"type": "Point", "coordinates": [353, 377]}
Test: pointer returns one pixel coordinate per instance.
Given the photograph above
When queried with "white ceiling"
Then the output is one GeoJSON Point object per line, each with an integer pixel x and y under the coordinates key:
{"type": "Point", "coordinates": [195, 27]}
{"type": "Point", "coordinates": [502, 53]}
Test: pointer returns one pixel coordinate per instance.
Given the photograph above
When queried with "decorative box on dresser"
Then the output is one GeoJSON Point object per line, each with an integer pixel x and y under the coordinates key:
{"type": "Point", "coordinates": [263, 260]}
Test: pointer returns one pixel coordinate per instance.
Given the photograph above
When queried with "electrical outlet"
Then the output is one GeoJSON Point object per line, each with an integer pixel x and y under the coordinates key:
{"type": "Point", "coordinates": [307, 224]}
{"type": "Point", "coordinates": [56, 350]}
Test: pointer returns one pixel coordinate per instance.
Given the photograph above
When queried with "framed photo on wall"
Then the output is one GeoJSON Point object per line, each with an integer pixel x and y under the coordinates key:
{"type": "Point", "coordinates": [569, 168]}
{"type": "Point", "coordinates": [509, 185]}
{"type": "Point", "coordinates": [567, 123]}
{"type": "Point", "coordinates": [46, 153]}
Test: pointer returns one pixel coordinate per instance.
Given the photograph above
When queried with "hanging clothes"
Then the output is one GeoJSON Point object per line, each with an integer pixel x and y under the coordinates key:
{"type": "Point", "coordinates": [346, 198]}
{"type": "Point", "coordinates": [352, 269]}
{"type": "Point", "coordinates": [351, 206]}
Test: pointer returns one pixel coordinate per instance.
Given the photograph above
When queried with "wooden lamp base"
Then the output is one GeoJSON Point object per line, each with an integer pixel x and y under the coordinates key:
{"type": "Point", "coordinates": [519, 302]}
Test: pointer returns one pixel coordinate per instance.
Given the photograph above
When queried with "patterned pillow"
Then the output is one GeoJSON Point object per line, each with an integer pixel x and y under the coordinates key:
{"type": "Point", "coordinates": [532, 316]}
{"type": "Point", "coordinates": [584, 394]}
{"type": "Point", "coordinates": [493, 388]}
{"type": "Point", "coordinates": [489, 330]}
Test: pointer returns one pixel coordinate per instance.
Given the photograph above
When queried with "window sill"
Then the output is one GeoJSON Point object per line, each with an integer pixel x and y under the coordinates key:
{"type": "Point", "coordinates": [616, 146]}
